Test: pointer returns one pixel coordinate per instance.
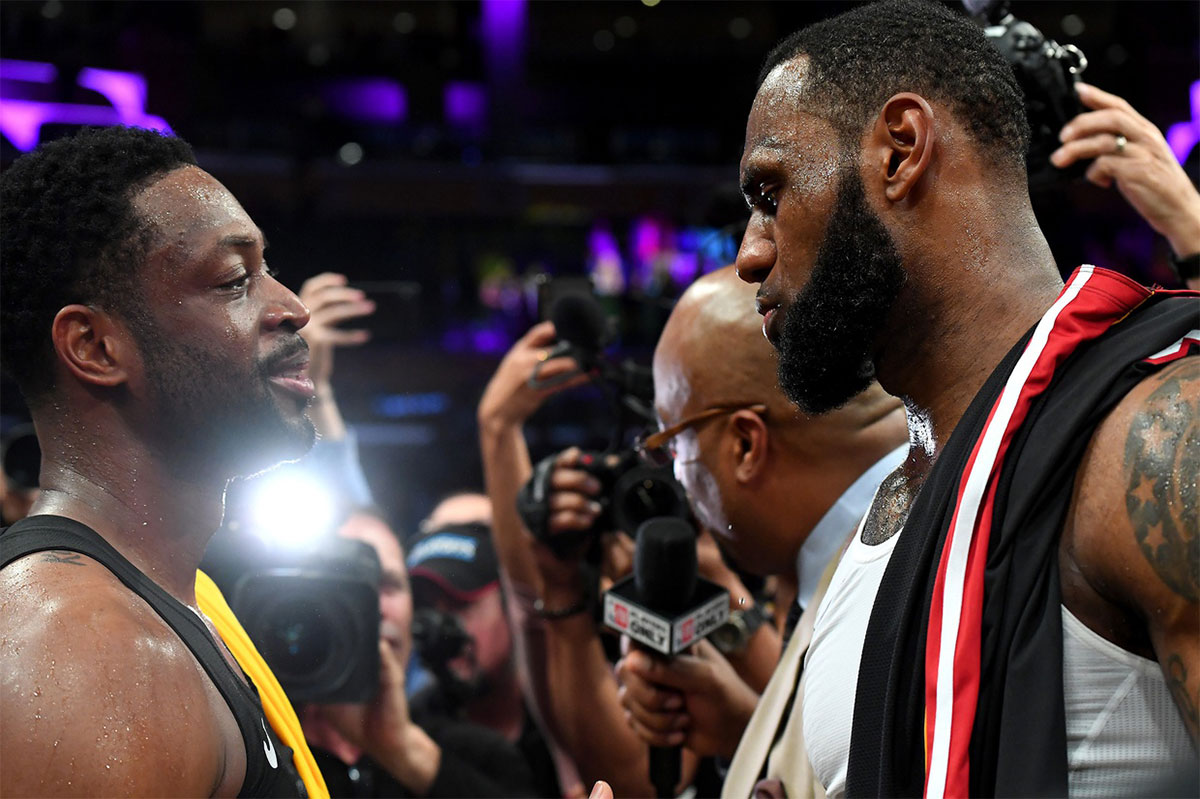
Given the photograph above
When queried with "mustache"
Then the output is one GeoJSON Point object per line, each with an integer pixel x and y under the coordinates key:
{"type": "Point", "coordinates": [291, 351]}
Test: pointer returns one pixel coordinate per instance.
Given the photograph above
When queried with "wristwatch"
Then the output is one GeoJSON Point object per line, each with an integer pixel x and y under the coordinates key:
{"type": "Point", "coordinates": [734, 635]}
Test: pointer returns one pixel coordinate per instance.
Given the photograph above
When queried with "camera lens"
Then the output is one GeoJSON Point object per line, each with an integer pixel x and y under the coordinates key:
{"type": "Point", "coordinates": [643, 493]}
{"type": "Point", "coordinates": [299, 638]}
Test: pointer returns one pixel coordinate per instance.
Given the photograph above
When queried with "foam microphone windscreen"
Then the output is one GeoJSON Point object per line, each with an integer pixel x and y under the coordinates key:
{"type": "Point", "coordinates": [580, 320]}
{"type": "Point", "coordinates": [664, 564]}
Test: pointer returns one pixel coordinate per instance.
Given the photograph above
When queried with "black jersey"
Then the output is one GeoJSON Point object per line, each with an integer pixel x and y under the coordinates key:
{"type": "Point", "coordinates": [269, 768]}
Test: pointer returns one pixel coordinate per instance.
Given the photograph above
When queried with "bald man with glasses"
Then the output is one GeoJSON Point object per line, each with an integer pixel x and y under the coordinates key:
{"type": "Point", "coordinates": [781, 492]}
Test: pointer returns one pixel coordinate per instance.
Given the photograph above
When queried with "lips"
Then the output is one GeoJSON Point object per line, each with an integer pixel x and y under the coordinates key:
{"type": "Point", "coordinates": [291, 375]}
{"type": "Point", "coordinates": [769, 310]}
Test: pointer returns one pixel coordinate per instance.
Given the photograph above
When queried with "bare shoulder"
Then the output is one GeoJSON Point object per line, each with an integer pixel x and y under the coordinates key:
{"type": "Point", "coordinates": [1130, 554]}
{"type": "Point", "coordinates": [1137, 493]}
{"type": "Point", "coordinates": [98, 694]}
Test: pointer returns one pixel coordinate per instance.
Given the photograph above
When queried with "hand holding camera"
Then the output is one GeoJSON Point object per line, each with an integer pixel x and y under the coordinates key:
{"type": "Point", "coordinates": [330, 302]}
{"type": "Point", "coordinates": [1127, 149]}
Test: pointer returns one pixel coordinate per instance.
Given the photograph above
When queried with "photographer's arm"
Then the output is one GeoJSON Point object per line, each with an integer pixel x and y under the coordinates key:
{"type": "Point", "coordinates": [384, 730]}
{"type": "Point", "coordinates": [507, 402]}
{"type": "Point", "coordinates": [329, 301]}
{"type": "Point", "coordinates": [1143, 168]}
{"type": "Point", "coordinates": [591, 723]}
{"type": "Point", "coordinates": [756, 662]}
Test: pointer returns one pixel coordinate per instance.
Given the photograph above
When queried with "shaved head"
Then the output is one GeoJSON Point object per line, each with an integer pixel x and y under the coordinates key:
{"type": "Point", "coordinates": [758, 481]}
{"type": "Point", "coordinates": [713, 352]}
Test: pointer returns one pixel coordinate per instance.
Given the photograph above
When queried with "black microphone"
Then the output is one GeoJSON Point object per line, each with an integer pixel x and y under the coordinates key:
{"type": "Point", "coordinates": [665, 607]}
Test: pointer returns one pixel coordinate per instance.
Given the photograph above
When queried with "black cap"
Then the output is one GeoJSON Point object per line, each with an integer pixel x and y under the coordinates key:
{"type": "Point", "coordinates": [458, 559]}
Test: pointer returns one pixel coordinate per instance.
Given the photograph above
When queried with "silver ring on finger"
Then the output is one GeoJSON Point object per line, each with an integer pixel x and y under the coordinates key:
{"type": "Point", "coordinates": [1121, 142]}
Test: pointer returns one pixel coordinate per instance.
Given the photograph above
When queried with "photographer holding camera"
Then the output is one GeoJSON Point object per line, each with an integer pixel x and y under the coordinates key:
{"type": "Point", "coordinates": [455, 576]}
{"type": "Point", "coordinates": [389, 747]}
{"type": "Point", "coordinates": [1128, 151]}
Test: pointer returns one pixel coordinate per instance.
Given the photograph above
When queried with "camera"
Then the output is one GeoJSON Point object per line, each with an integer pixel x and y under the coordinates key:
{"type": "Point", "coordinates": [631, 492]}
{"type": "Point", "coordinates": [314, 616]}
{"type": "Point", "coordinates": [438, 638]}
{"type": "Point", "coordinates": [1047, 72]}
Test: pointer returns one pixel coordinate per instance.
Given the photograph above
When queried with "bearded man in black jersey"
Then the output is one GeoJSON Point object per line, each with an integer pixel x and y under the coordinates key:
{"type": "Point", "coordinates": [159, 358]}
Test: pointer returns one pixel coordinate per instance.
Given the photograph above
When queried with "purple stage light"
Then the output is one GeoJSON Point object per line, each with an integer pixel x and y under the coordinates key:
{"type": "Point", "coordinates": [125, 90]}
{"type": "Point", "coordinates": [368, 99]}
{"type": "Point", "coordinates": [28, 71]}
{"type": "Point", "coordinates": [21, 119]}
{"type": "Point", "coordinates": [465, 104]}
{"type": "Point", "coordinates": [684, 267]}
{"type": "Point", "coordinates": [503, 24]}
{"type": "Point", "coordinates": [1182, 136]}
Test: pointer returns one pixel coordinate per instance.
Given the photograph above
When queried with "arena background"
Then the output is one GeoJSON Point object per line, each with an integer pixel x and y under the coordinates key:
{"type": "Point", "coordinates": [458, 150]}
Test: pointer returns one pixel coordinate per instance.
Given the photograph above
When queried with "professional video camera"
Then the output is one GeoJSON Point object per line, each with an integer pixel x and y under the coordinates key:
{"type": "Point", "coordinates": [314, 616]}
{"type": "Point", "coordinates": [1047, 72]}
{"type": "Point", "coordinates": [631, 492]}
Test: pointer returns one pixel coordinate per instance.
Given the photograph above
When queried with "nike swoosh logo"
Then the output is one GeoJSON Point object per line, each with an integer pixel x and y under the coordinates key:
{"type": "Point", "coordinates": [269, 746]}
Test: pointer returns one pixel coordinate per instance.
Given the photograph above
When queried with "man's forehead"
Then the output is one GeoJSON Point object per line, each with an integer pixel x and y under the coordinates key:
{"type": "Point", "coordinates": [188, 200]}
{"type": "Point", "coordinates": [778, 105]}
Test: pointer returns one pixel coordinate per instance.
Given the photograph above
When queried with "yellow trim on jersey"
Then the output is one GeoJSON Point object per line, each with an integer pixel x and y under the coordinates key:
{"type": "Point", "coordinates": [275, 703]}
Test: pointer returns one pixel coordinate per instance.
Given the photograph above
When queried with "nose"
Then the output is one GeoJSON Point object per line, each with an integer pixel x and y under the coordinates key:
{"type": "Point", "coordinates": [756, 255]}
{"type": "Point", "coordinates": [284, 307]}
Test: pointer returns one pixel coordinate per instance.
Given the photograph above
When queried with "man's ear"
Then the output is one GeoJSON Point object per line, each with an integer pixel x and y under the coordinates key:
{"type": "Point", "coordinates": [91, 345]}
{"type": "Point", "coordinates": [748, 439]}
{"type": "Point", "coordinates": [901, 144]}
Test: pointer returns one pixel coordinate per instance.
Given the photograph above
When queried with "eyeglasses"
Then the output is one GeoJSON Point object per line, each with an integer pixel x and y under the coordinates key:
{"type": "Point", "coordinates": [653, 448]}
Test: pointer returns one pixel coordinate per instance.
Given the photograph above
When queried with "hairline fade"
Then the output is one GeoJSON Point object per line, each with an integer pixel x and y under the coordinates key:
{"type": "Point", "coordinates": [69, 233]}
{"type": "Point", "coordinates": [858, 59]}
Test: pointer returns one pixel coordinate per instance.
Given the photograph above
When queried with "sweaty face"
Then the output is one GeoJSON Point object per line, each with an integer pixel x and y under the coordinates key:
{"type": "Point", "coordinates": [223, 364]}
{"type": "Point", "coordinates": [830, 271]}
{"type": "Point", "coordinates": [831, 327]}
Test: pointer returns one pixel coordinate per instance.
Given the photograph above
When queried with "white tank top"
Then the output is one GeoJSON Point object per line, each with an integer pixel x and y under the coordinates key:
{"type": "Point", "coordinates": [831, 666]}
{"type": "Point", "coordinates": [1124, 733]}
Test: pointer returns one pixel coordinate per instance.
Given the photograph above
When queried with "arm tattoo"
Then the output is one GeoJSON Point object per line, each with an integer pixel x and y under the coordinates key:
{"type": "Point", "coordinates": [72, 558]}
{"type": "Point", "coordinates": [1162, 462]}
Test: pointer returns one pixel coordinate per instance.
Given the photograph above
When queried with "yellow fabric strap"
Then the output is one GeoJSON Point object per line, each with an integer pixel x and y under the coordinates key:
{"type": "Point", "coordinates": [275, 703]}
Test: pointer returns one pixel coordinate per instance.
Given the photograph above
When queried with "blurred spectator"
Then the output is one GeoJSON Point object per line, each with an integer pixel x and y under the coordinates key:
{"type": "Point", "coordinates": [454, 571]}
{"type": "Point", "coordinates": [389, 747]}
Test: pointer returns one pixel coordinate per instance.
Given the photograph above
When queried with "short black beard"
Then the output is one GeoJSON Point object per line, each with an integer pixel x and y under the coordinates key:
{"type": "Point", "coordinates": [826, 345]}
{"type": "Point", "coordinates": [207, 413]}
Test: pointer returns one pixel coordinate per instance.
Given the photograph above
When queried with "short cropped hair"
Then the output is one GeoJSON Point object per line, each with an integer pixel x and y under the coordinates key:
{"type": "Point", "coordinates": [69, 234]}
{"type": "Point", "coordinates": [857, 60]}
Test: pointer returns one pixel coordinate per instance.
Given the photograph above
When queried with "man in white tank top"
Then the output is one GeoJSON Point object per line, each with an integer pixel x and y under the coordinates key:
{"type": "Point", "coordinates": [892, 234]}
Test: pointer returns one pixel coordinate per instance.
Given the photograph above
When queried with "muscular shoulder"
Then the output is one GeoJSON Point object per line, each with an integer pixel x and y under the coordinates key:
{"type": "Point", "coordinates": [1134, 518]}
{"type": "Point", "coordinates": [98, 693]}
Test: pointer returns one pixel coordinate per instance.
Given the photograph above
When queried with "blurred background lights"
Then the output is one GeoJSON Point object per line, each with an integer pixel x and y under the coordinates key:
{"type": "Point", "coordinates": [290, 508]}
{"type": "Point", "coordinates": [740, 27]}
{"type": "Point", "coordinates": [350, 153]}
{"type": "Point", "coordinates": [404, 22]}
{"type": "Point", "coordinates": [604, 40]}
{"type": "Point", "coordinates": [625, 27]}
{"type": "Point", "coordinates": [284, 19]}
{"type": "Point", "coordinates": [1072, 25]}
